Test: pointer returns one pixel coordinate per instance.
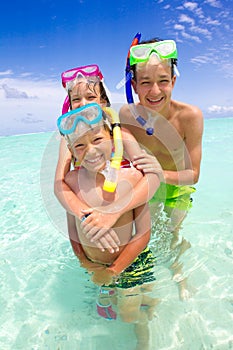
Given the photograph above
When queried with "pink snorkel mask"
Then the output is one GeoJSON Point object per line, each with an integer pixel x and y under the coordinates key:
{"type": "Point", "coordinates": [70, 77]}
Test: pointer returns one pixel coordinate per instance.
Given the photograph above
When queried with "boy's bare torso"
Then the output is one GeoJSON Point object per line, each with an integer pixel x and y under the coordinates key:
{"type": "Point", "coordinates": [168, 141]}
{"type": "Point", "coordinates": [90, 190]}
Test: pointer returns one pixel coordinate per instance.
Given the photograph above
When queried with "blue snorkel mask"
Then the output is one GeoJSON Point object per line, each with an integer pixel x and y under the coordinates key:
{"type": "Point", "coordinates": [163, 50]}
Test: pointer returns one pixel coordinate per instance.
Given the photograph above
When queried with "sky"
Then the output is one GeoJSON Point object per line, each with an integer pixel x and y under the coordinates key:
{"type": "Point", "coordinates": [40, 39]}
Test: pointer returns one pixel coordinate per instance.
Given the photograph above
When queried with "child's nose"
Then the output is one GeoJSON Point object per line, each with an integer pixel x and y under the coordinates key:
{"type": "Point", "coordinates": [83, 102]}
{"type": "Point", "coordinates": [155, 88]}
{"type": "Point", "coordinates": [91, 148]}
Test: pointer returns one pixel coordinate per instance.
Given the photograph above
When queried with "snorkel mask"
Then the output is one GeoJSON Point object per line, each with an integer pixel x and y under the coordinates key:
{"type": "Point", "coordinates": [77, 122]}
{"type": "Point", "coordinates": [164, 51]}
{"type": "Point", "coordinates": [71, 77]}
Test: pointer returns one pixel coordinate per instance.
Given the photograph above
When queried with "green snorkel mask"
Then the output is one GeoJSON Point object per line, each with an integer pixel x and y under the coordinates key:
{"type": "Point", "coordinates": [165, 52]}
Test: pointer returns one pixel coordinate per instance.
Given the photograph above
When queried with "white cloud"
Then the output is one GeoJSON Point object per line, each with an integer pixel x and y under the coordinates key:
{"type": "Point", "coordinates": [214, 3]}
{"type": "Point", "coordinates": [186, 19]}
{"type": "Point", "coordinates": [190, 37]}
{"type": "Point", "coordinates": [14, 93]}
{"type": "Point", "coordinates": [203, 31]}
{"type": "Point", "coordinates": [212, 22]}
{"type": "Point", "coordinates": [7, 72]}
{"type": "Point", "coordinates": [220, 109]}
{"type": "Point", "coordinates": [201, 59]}
{"type": "Point", "coordinates": [190, 5]}
{"type": "Point", "coordinates": [23, 112]}
{"type": "Point", "coordinates": [31, 106]}
{"type": "Point", "coordinates": [179, 27]}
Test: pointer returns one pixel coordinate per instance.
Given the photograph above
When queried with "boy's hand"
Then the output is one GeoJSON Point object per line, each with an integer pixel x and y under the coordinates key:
{"type": "Point", "coordinates": [147, 163]}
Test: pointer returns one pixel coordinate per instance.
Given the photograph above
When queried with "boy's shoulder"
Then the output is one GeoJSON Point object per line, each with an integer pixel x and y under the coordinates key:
{"type": "Point", "coordinates": [185, 112]}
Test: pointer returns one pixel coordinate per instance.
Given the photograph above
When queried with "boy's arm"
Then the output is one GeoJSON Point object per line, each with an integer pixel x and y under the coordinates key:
{"type": "Point", "coordinates": [136, 245]}
{"type": "Point", "coordinates": [74, 239]}
{"type": "Point", "coordinates": [193, 130]}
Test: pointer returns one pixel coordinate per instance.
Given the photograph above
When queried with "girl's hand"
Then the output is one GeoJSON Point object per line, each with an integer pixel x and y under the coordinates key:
{"type": "Point", "coordinates": [102, 276]}
{"type": "Point", "coordinates": [97, 228]}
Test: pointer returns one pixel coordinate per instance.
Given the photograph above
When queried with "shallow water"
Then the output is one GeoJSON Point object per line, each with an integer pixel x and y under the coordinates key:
{"type": "Point", "coordinates": [46, 300]}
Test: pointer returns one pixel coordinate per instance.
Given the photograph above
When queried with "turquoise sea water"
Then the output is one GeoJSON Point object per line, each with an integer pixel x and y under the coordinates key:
{"type": "Point", "coordinates": [46, 301]}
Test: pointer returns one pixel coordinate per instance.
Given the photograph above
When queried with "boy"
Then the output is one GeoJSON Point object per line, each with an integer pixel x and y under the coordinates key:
{"type": "Point", "coordinates": [89, 140]}
{"type": "Point", "coordinates": [172, 132]}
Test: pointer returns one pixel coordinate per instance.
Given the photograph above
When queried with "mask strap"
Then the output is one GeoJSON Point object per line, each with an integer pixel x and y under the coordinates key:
{"type": "Point", "coordinates": [66, 105]}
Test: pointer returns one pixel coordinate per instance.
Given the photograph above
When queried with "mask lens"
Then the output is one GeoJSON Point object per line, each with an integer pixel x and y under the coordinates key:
{"type": "Point", "coordinates": [140, 52]}
{"type": "Point", "coordinates": [70, 73]}
{"type": "Point", "coordinates": [165, 48]}
{"type": "Point", "coordinates": [90, 69]}
{"type": "Point", "coordinates": [89, 115]}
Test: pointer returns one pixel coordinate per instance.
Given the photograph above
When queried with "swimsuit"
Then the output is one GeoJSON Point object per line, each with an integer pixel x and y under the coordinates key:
{"type": "Point", "coordinates": [174, 196]}
{"type": "Point", "coordinates": [141, 271]}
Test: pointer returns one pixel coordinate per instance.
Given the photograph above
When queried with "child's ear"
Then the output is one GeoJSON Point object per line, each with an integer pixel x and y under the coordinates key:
{"type": "Point", "coordinates": [173, 80]}
{"type": "Point", "coordinates": [134, 85]}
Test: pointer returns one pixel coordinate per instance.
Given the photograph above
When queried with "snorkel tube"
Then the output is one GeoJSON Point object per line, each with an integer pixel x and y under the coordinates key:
{"type": "Point", "coordinates": [128, 73]}
{"type": "Point", "coordinates": [110, 171]}
{"type": "Point", "coordinates": [128, 89]}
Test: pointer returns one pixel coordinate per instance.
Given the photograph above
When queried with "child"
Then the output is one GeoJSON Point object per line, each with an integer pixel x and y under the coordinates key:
{"type": "Point", "coordinates": [85, 85]}
{"type": "Point", "coordinates": [89, 140]}
{"type": "Point", "coordinates": [171, 131]}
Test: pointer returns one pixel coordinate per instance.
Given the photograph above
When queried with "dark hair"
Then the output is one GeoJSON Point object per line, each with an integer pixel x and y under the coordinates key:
{"type": "Point", "coordinates": [150, 41]}
{"type": "Point", "coordinates": [103, 94]}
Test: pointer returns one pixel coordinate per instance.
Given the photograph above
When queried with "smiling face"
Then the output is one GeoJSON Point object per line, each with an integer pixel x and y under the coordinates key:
{"type": "Point", "coordinates": [154, 86]}
{"type": "Point", "coordinates": [92, 149]}
{"type": "Point", "coordinates": [84, 93]}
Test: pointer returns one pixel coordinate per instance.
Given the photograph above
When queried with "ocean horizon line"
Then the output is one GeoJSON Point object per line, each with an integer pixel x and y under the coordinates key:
{"type": "Point", "coordinates": [51, 131]}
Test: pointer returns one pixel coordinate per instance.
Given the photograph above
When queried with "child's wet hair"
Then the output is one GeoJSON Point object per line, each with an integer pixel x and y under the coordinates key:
{"type": "Point", "coordinates": [151, 41]}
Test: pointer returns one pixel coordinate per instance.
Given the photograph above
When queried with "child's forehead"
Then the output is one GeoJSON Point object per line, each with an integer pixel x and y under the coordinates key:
{"type": "Point", "coordinates": [149, 68]}
{"type": "Point", "coordinates": [84, 87]}
{"type": "Point", "coordinates": [88, 134]}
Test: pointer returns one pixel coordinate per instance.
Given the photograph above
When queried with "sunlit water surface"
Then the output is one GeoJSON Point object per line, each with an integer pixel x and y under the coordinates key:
{"type": "Point", "coordinates": [46, 300]}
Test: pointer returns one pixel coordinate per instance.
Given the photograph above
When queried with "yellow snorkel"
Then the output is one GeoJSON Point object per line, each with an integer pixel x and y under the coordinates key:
{"type": "Point", "coordinates": [110, 172]}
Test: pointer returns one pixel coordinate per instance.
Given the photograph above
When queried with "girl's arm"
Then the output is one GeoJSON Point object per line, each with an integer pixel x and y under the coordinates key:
{"type": "Point", "coordinates": [71, 202]}
{"type": "Point", "coordinates": [64, 194]}
{"type": "Point", "coordinates": [136, 245]}
{"type": "Point", "coordinates": [142, 193]}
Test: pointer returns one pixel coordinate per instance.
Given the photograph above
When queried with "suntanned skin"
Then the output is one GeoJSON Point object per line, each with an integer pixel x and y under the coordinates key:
{"type": "Point", "coordinates": [93, 150]}
{"type": "Point", "coordinates": [176, 142]}
{"type": "Point", "coordinates": [98, 224]}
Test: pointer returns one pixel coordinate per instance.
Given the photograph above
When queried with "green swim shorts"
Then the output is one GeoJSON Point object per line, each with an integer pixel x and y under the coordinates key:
{"type": "Point", "coordinates": [173, 196]}
{"type": "Point", "coordinates": [139, 272]}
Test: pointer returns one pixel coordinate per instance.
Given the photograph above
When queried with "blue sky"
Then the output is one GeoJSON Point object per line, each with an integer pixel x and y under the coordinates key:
{"type": "Point", "coordinates": [39, 40]}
